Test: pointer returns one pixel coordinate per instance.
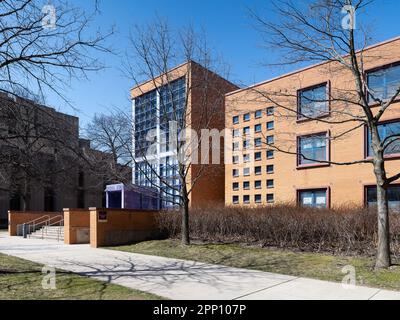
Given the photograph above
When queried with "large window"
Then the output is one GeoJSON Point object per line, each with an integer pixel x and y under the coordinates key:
{"type": "Point", "coordinates": [313, 102]}
{"type": "Point", "coordinates": [312, 149]}
{"type": "Point", "coordinates": [393, 196]}
{"type": "Point", "coordinates": [389, 131]}
{"type": "Point", "coordinates": [313, 198]}
{"type": "Point", "coordinates": [383, 83]}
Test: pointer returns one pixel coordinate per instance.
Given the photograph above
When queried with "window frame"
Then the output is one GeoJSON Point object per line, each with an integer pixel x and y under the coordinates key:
{"type": "Point", "coordinates": [273, 169]}
{"type": "Point", "coordinates": [255, 114]}
{"type": "Point", "coordinates": [255, 186]}
{"type": "Point", "coordinates": [233, 186]}
{"type": "Point", "coordinates": [260, 198]}
{"type": "Point", "coordinates": [392, 156]}
{"type": "Point", "coordinates": [374, 69]}
{"type": "Point", "coordinates": [273, 125]}
{"type": "Point", "coordinates": [371, 185]}
{"type": "Point", "coordinates": [300, 117]}
{"type": "Point", "coordinates": [316, 164]}
{"type": "Point", "coordinates": [244, 115]}
{"type": "Point", "coordinates": [259, 125]}
{"type": "Point", "coordinates": [233, 120]}
{"type": "Point", "coordinates": [273, 198]}
{"type": "Point", "coordinates": [327, 195]}
{"type": "Point", "coordinates": [248, 187]}
{"type": "Point", "coordinates": [269, 114]}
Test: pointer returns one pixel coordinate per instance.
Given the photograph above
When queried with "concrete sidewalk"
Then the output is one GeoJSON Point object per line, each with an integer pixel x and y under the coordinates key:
{"type": "Point", "coordinates": [179, 279]}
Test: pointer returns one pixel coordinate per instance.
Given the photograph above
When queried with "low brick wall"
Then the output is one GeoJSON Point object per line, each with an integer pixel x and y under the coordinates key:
{"type": "Point", "coordinates": [16, 217]}
{"type": "Point", "coordinates": [76, 226]}
{"type": "Point", "coordinates": [109, 227]}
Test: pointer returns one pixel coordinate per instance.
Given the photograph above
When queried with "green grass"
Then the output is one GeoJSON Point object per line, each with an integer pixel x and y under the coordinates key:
{"type": "Point", "coordinates": [309, 265]}
{"type": "Point", "coordinates": [22, 280]}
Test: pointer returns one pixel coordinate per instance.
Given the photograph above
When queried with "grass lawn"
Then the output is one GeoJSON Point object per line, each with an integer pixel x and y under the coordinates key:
{"type": "Point", "coordinates": [309, 265]}
{"type": "Point", "coordinates": [21, 280]}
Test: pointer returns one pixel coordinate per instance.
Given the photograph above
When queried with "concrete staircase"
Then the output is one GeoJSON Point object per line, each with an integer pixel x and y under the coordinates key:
{"type": "Point", "coordinates": [55, 233]}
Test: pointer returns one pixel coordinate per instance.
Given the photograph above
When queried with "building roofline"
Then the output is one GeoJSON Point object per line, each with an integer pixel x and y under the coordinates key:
{"type": "Point", "coordinates": [308, 67]}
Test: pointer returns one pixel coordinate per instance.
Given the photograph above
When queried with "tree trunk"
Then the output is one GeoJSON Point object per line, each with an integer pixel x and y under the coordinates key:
{"type": "Point", "coordinates": [185, 223]}
{"type": "Point", "coordinates": [383, 250]}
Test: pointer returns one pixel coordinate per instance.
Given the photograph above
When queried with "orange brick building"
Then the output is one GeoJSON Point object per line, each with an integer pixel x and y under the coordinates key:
{"type": "Point", "coordinates": [261, 174]}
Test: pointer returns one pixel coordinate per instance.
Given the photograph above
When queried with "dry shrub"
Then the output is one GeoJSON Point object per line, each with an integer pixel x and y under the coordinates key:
{"type": "Point", "coordinates": [345, 230]}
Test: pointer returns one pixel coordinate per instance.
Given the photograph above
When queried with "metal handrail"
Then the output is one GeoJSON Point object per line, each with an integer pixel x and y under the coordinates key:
{"type": "Point", "coordinates": [59, 223]}
{"type": "Point", "coordinates": [33, 222]}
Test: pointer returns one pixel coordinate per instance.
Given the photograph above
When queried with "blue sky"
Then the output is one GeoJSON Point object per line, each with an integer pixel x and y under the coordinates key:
{"type": "Point", "coordinates": [229, 31]}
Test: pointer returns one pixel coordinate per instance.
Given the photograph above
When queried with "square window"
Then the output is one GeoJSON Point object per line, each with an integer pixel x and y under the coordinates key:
{"type": "Point", "coordinates": [246, 172]}
{"type": "Point", "coordinates": [235, 159]}
{"type": "Point", "coordinates": [270, 125]}
{"type": "Point", "coordinates": [257, 198]}
{"type": "Point", "coordinates": [257, 171]}
{"type": "Point", "coordinates": [235, 199]}
{"type": "Point", "coordinates": [246, 117]}
{"type": "Point", "coordinates": [236, 133]}
{"type": "Point", "coordinates": [235, 172]}
{"type": "Point", "coordinates": [270, 169]}
{"type": "Point", "coordinates": [235, 186]}
{"type": "Point", "coordinates": [257, 156]}
{"type": "Point", "coordinates": [246, 199]}
{"type": "Point", "coordinates": [235, 119]}
{"type": "Point", "coordinates": [312, 149]}
{"type": "Point", "coordinates": [246, 185]}
{"type": "Point", "coordinates": [258, 114]}
{"type": "Point", "coordinates": [270, 111]}
{"type": "Point", "coordinates": [258, 142]}
{"type": "Point", "coordinates": [270, 184]}
{"type": "Point", "coordinates": [270, 154]}
{"type": "Point", "coordinates": [246, 130]}
{"type": "Point", "coordinates": [383, 83]}
{"type": "Point", "coordinates": [393, 197]}
{"type": "Point", "coordinates": [313, 102]}
{"type": "Point", "coordinates": [270, 140]}
{"type": "Point", "coordinates": [257, 128]}
{"type": "Point", "coordinates": [316, 198]}
{"type": "Point", "coordinates": [246, 144]}
{"type": "Point", "coordinates": [390, 132]}
{"type": "Point", "coordinates": [246, 158]}
{"type": "Point", "coordinates": [235, 146]}
{"type": "Point", "coordinates": [257, 184]}
{"type": "Point", "coordinates": [270, 198]}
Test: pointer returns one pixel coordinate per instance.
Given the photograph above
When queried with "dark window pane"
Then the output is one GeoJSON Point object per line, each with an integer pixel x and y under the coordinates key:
{"type": "Point", "coordinates": [313, 102]}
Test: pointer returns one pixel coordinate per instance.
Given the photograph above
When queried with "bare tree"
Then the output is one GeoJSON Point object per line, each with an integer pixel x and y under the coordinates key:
{"type": "Point", "coordinates": [324, 32]}
{"type": "Point", "coordinates": [112, 135]}
{"type": "Point", "coordinates": [190, 98]}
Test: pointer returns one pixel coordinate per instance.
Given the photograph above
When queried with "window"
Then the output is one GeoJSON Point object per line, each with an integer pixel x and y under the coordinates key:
{"type": "Point", "coordinates": [236, 133]}
{"type": "Point", "coordinates": [235, 172]}
{"type": "Point", "coordinates": [270, 154]}
{"type": "Point", "coordinates": [258, 114]}
{"type": "Point", "coordinates": [246, 144]}
{"type": "Point", "coordinates": [235, 186]}
{"type": "Point", "coordinates": [270, 125]}
{"type": "Point", "coordinates": [270, 169]}
{"type": "Point", "coordinates": [246, 130]}
{"type": "Point", "coordinates": [246, 172]}
{"type": "Point", "coordinates": [257, 128]}
{"type": "Point", "coordinates": [312, 149]}
{"type": "Point", "coordinates": [235, 146]}
{"type": "Point", "coordinates": [386, 131]}
{"type": "Point", "coordinates": [257, 171]}
{"type": "Point", "coordinates": [270, 184]}
{"type": "Point", "coordinates": [258, 142]}
{"type": "Point", "coordinates": [246, 199]}
{"type": "Point", "coordinates": [313, 198]}
{"type": "Point", "coordinates": [270, 198]}
{"type": "Point", "coordinates": [235, 159]}
{"type": "Point", "coordinates": [270, 111]}
{"type": "Point", "coordinates": [270, 140]}
{"type": "Point", "coordinates": [235, 199]}
{"type": "Point", "coordinates": [246, 185]}
{"type": "Point", "coordinates": [246, 158]}
{"type": "Point", "coordinates": [383, 83]}
{"type": "Point", "coordinates": [393, 197]}
{"type": "Point", "coordinates": [246, 117]}
{"type": "Point", "coordinates": [257, 198]}
{"type": "Point", "coordinates": [257, 156]}
{"type": "Point", "coordinates": [313, 102]}
{"type": "Point", "coordinates": [257, 184]}
{"type": "Point", "coordinates": [235, 119]}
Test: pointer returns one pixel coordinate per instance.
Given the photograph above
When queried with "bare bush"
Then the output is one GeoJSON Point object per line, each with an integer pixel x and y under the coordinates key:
{"type": "Point", "coordinates": [349, 231]}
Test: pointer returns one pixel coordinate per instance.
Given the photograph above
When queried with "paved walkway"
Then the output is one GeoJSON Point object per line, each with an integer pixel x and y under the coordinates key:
{"type": "Point", "coordinates": [179, 279]}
